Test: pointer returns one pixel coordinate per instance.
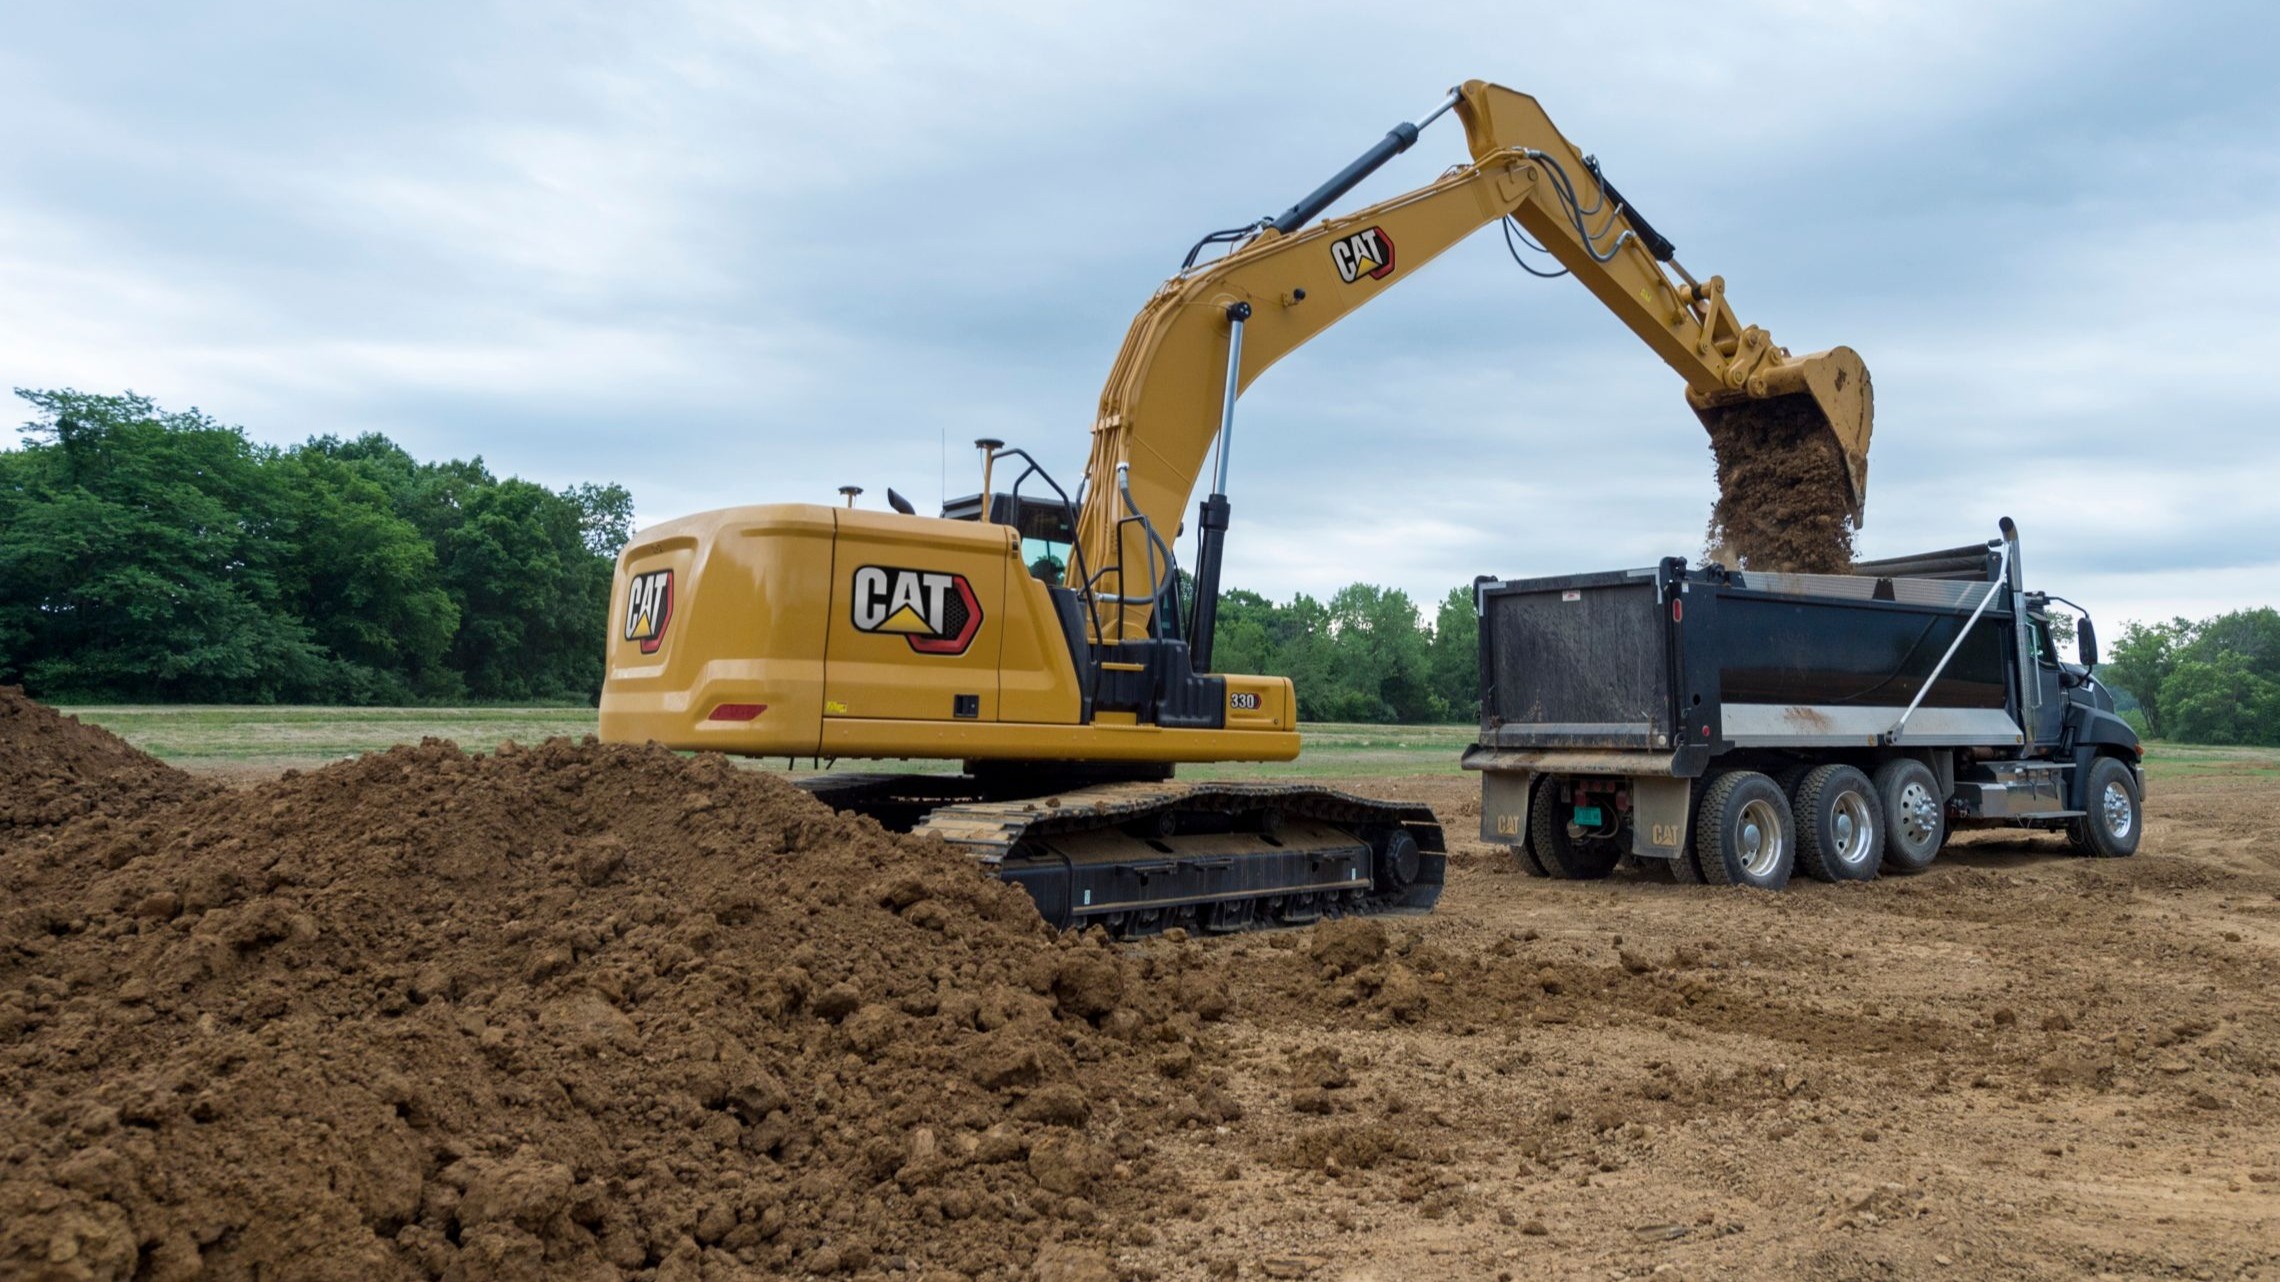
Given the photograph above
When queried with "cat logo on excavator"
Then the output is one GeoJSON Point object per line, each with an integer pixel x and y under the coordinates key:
{"type": "Point", "coordinates": [1368, 252]}
{"type": "Point", "coordinates": [648, 608]}
{"type": "Point", "coordinates": [935, 611]}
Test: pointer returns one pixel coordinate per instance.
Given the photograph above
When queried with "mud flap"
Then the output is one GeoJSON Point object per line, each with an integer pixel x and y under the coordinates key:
{"type": "Point", "coordinates": [1658, 815]}
{"type": "Point", "coordinates": [1504, 806]}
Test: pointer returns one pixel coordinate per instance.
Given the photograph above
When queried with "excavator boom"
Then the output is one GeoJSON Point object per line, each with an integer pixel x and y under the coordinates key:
{"type": "Point", "coordinates": [1289, 278]}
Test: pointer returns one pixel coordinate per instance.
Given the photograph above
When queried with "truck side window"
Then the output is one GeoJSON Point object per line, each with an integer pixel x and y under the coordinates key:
{"type": "Point", "coordinates": [2039, 632]}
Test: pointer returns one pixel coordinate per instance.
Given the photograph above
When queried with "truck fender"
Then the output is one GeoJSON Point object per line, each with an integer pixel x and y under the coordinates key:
{"type": "Point", "coordinates": [2098, 733]}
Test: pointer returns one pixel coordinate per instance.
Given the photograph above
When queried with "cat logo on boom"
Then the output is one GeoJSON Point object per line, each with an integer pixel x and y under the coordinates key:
{"type": "Point", "coordinates": [935, 611]}
{"type": "Point", "coordinates": [1365, 253]}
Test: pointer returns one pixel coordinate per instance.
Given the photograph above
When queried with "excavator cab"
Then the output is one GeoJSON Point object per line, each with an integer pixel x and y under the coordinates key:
{"type": "Point", "coordinates": [1047, 528]}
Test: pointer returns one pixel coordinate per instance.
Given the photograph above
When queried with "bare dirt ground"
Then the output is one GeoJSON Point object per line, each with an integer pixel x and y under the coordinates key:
{"type": "Point", "coordinates": [2019, 1065]}
{"type": "Point", "coordinates": [614, 1014]}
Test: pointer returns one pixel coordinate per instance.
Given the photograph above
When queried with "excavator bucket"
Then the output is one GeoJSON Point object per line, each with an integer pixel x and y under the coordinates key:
{"type": "Point", "coordinates": [1805, 403]}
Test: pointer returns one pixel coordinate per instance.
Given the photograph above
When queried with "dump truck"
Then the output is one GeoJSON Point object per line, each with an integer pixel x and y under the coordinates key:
{"type": "Point", "coordinates": [1736, 726]}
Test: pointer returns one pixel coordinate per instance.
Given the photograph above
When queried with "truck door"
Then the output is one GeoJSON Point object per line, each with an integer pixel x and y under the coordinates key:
{"type": "Point", "coordinates": [2043, 671]}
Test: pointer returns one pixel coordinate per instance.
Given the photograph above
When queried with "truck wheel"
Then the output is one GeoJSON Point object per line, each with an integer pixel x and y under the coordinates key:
{"type": "Point", "coordinates": [1685, 868]}
{"type": "Point", "coordinates": [1790, 778]}
{"type": "Point", "coordinates": [1746, 835]}
{"type": "Point", "coordinates": [2111, 827]}
{"type": "Point", "coordinates": [1914, 814]}
{"type": "Point", "coordinates": [1839, 835]}
{"type": "Point", "coordinates": [1563, 857]}
{"type": "Point", "coordinates": [1522, 857]}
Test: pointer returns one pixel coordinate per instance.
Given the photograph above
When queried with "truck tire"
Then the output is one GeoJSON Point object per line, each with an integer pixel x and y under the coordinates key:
{"type": "Point", "coordinates": [1685, 869]}
{"type": "Point", "coordinates": [1746, 835]}
{"type": "Point", "coordinates": [1840, 829]}
{"type": "Point", "coordinates": [1914, 814]}
{"type": "Point", "coordinates": [1563, 858]}
{"type": "Point", "coordinates": [2112, 822]}
{"type": "Point", "coordinates": [1789, 779]}
{"type": "Point", "coordinates": [1522, 857]}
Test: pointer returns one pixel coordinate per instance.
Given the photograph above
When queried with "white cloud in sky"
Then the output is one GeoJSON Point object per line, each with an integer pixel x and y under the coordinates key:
{"type": "Point", "coordinates": [731, 253]}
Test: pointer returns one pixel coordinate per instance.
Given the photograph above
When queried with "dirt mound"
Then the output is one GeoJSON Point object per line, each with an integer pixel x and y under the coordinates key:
{"type": "Point", "coordinates": [567, 1012]}
{"type": "Point", "coordinates": [1781, 493]}
{"type": "Point", "coordinates": [54, 769]}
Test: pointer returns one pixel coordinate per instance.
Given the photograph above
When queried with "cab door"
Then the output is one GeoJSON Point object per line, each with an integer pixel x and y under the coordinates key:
{"type": "Point", "coordinates": [2043, 670]}
{"type": "Point", "coordinates": [916, 618]}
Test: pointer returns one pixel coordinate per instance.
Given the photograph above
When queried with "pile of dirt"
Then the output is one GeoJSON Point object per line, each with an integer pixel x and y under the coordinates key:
{"type": "Point", "coordinates": [1781, 491]}
{"type": "Point", "coordinates": [54, 769]}
{"type": "Point", "coordinates": [567, 1012]}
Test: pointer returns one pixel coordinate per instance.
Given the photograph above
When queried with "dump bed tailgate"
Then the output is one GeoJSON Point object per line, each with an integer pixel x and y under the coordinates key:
{"type": "Point", "coordinates": [1576, 662]}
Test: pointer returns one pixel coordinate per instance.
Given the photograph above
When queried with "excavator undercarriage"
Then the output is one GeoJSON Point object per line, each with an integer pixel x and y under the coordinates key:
{"type": "Point", "coordinates": [1142, 856]}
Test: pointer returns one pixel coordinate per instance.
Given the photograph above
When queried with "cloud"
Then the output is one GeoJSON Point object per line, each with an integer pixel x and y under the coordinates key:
{"type": "Point", "coordinates": [731, 253]}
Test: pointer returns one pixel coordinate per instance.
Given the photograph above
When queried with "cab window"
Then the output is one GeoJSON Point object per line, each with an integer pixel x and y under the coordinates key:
{"type": "Point", "coordinates": [1047, 561]}
{"type": "Point", "coordinates": [2038, 634]}
{"type": "Point", "coordinates": [1045, 540]}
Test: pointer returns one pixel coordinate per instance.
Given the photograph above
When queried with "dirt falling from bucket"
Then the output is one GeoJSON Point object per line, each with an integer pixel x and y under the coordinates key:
{"type": "Point", "coordinates": [1781, 493]}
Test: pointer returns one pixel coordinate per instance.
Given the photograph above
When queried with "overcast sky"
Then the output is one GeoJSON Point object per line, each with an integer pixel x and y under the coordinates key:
{"type": "Point", "coordinates": [743, 252]}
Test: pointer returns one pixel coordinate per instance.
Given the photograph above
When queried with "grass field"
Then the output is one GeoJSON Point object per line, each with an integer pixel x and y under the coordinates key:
{"type": "Point", "coordinates": [243, 740]}
{"type": "Point", "coordinates": [2184, 760]}
{"type": "Point", "coordinates": [248, 740]}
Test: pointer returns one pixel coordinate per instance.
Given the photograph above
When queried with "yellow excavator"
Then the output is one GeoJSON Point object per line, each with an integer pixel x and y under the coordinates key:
{"type": "Point", "coordinates": [1050, 643]}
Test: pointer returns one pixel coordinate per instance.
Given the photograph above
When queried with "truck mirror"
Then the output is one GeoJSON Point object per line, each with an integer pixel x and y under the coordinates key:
{"type": "Point", "coordinates": [2086, 641]}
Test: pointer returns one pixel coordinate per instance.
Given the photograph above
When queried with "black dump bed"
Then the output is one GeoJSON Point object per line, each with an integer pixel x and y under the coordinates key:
{"type": "Point", "coordinates": [1704, 660]}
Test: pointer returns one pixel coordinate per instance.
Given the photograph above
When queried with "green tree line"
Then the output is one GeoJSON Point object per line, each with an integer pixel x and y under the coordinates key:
{"type": "Point", "coordinates": [155, 555]}
{"type": "Point", "coordinates": [2215, 681]}
{"type": "Point", "coordinates": [1366, 654]}
{"type": "Point", "coordinates": [149, 555]}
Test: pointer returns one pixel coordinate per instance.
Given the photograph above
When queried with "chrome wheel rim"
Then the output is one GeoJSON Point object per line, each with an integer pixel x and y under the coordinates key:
{"type": "Point", "coordinates": [1919, 813]}
{"type": "Point", "coordinates": [1854, 827]}
{"type": "Point", "coordinates": [2119, 814]}
{"type": "Point", "coordinates": [1759, 840]}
